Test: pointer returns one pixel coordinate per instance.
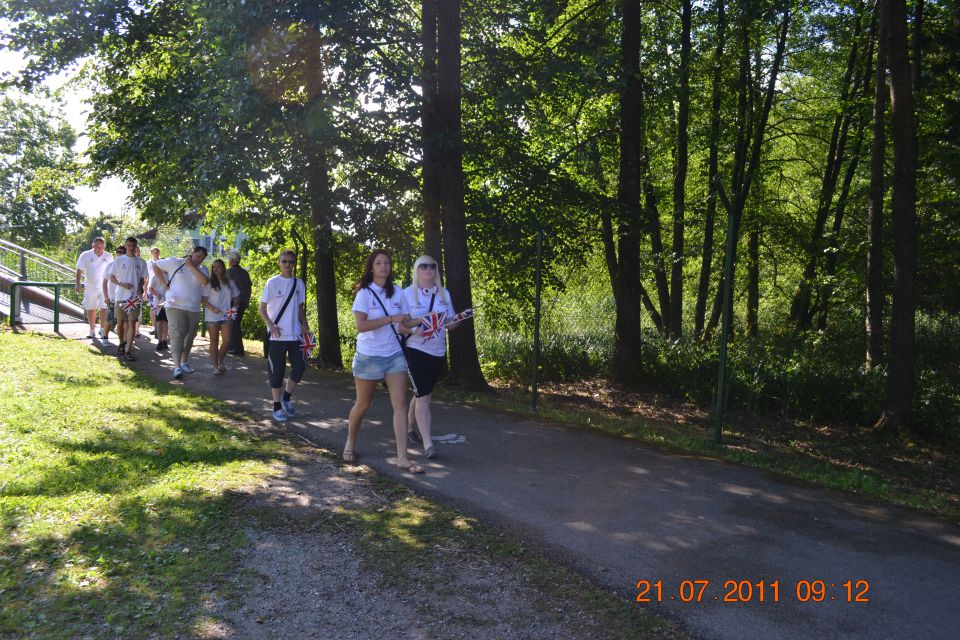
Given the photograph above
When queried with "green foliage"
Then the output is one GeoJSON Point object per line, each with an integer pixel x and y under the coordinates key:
{"type": "Point", "coordinates": [37, 170]}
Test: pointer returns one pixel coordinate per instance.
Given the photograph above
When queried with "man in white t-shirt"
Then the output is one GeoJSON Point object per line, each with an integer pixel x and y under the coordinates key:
{"type": "Point", "coordinates": [285, 331]}
{"type": "Point", "coordinates": [129, 275]}
{"type": "Point", "coordinates": [183, 279]}
{"type": "Point", "coordinates": [109, 296]}
{"type": "Point", "coordinates": [92, 262]}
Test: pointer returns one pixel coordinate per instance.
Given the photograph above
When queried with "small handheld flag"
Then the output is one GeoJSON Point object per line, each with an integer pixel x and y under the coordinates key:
{"type": "Point", "coordinates": [308, 344]}
{"type": "Point", "coordinates": [230, 314]}
{"type": "Point", "coordinates": [132, 304]}
{"type": "Point", "coordinates": [431, 324]}
{"type": "Point", "coordinates": [463, 315]}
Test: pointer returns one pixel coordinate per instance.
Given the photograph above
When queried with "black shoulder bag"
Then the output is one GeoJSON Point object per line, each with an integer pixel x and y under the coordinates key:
{"type": "Point", "coordinates": [266, 332]}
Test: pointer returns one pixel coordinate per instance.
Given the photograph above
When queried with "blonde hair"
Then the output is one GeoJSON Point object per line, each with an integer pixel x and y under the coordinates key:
{"type": "Point", "coordinates": [437, 281]}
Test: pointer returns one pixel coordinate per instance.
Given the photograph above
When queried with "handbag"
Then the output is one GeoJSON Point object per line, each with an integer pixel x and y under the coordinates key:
{"type": "Point", "coordinates": [266, 332]}
{"type": "Point", "coordinates": [403, 346]}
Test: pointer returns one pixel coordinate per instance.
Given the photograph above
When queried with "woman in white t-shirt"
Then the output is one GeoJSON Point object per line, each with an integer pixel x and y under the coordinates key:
{"type": "Point", "coordinates": [426, 354]}
{"type": "Point", "coordinates": [380, 310]}
{"type": "Point", "coordinates": [219, 295]}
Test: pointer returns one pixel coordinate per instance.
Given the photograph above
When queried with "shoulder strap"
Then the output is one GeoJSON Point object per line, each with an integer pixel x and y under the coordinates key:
{"type": "Point", "coordinates": [385, 313]}
{"type": "Point", "coordinates": [170, 281]}
{"type": "Point", "coordinates": [296, 281]}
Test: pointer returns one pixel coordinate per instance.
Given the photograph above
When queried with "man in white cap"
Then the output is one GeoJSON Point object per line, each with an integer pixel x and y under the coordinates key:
{"type": "Point", "coordinates": [92, 262]}
{"type": "Point", "coordinates": [241, 277]}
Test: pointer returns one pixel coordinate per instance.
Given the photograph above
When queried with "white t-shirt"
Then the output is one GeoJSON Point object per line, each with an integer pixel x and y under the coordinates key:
{"type": "Point", "coordinates": [220, 298]}
{"type": "Point", "coordinates": [129, 270]}
{"type": "Point", "coordinates": [93, 265]}
{"type": "Point", "coordinates": [185, 290]}
{"type": "Point", "coordinates": [154, 283]}
{"type": "Point", "coordinates": [111, 288]}
{"type": "Point", "coordinates": [419, 302]}
{"type": "Point", "coordinates": [381, 341]}
{"type": "Point", "coordinates": [274, 295]}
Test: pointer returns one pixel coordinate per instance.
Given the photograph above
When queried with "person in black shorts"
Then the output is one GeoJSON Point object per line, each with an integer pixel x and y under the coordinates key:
{"type": "Point", "coordinates": [426, 354]}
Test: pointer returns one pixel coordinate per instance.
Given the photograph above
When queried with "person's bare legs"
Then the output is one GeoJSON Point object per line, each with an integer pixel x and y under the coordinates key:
{"type": "Point", "coordinates": [397, 386]}
{"type": "Point", "coordinates": [92, 319]}
{"type": "Point", "coordinates": [213, 331]}
{"type": "Point", "coordinates": [104, 325]}
{"type": "Point", "coordinates": [420, 407]}
{"type": "Point", "coordinates": [225, 331]}
{"type": "Point", "coordinates": [365, 389]}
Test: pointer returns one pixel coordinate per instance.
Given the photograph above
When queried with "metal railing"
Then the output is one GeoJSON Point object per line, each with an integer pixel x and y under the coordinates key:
{"type": "Point", "coordinates": [28, 264]}
{"type": "Point", "coordinates": [57, 286]}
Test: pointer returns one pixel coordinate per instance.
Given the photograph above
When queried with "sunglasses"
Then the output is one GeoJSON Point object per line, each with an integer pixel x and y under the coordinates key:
{"type": "Point", "coordinates": [425, 265]}
{"type": "Point", "coordinates": [286, 262]}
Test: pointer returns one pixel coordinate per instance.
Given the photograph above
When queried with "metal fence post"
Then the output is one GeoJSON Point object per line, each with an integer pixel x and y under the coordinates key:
{"type": "Point", "coordinates": [536, 322]}
{"type": "Point", "coordinates": [56, 308]}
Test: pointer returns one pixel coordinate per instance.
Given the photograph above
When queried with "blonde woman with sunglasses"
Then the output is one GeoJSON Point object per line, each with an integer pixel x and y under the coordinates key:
{"type": "Point", "coordinates": [426, 355]}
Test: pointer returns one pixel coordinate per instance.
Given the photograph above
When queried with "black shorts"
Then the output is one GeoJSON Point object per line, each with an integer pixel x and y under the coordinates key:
{"type": "Point", "coordinates": [425, 370]}
{"type": "Point", "coordinates": [161, 315]}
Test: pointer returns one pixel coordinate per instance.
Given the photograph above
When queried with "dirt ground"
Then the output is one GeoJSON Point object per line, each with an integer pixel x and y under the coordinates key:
{"type": "Point", "coordinates": [303, 575]}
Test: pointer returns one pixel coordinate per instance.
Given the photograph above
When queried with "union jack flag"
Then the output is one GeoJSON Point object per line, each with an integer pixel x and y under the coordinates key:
{"type": "Point", "coordinates": [308, 344]}
{"type": "Point", "coordinates": [431, 324]}
{"type": "Point", "coordinates": [132, 304]}
{"type": "Point", "coordinates": [463, 315]}
{"type": "Point", "coordinates": [230, 314]}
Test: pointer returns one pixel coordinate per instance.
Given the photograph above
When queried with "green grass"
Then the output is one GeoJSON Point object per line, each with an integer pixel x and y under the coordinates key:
{"type": "Point", "coordinates": [113, 490]}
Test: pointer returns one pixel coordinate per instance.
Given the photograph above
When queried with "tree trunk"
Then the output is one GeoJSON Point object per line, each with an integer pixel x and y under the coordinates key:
{"type": "Point", "coordinates": [800, 313]}
{"type": "Point", "coordinates": [875, 296]}
{"type": "Point", "coordinates": [464, 361]}
{"type": "Point", "coordinates": [431, 136]}
{"type": "Point", "coordinates": [901, 382]}
{"type": "Point", "coordinates": [753, 281]}
{"type": "Point", "coordinates": [834, 254]}
{"type": "Point", "coordinates": [680, 177]}
{"type": "Point", "coordinates": [706, 263]}
{"type": "Point", "coordinates": [321, 214]}
{"type": "Point", "coordinates": [745, 175]}
{"type": "Point", "coordinates": [624, 267]}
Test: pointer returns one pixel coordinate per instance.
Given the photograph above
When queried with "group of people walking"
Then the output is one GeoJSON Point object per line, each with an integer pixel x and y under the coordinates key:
{"type": "Point", "coordinates": [116, 287]}
{"type": "Point", "coordinates": [392, 346]}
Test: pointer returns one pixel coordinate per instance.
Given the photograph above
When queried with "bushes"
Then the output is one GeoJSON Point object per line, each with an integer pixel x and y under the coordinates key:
{"type": "Point", "coordinates": [809, 375]}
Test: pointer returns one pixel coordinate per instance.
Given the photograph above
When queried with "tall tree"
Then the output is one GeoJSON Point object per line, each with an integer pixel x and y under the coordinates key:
{"type": "Point", "coordinates": [680, 173]}
{"type": "Point", "coordinates": [623, 259]}
{"type": "Point", "coordinates": [464, 359]}
{"type": "Point", "coordinates": [706, 261]}
{"type": "Point", "coordinates": [753, 129]}
{"type": "Point", "coordinates": [431, 133]}
{"type": "Point", "coordinates": [901, 381]}
{"type": "Point", "coordinates": [37, 169]}
{"type": "Point", "coordinates": [875, 197]}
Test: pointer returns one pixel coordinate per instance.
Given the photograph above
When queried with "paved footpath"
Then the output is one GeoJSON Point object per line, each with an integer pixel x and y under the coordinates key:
{"type": "Point", "coordinates": [624, 512]}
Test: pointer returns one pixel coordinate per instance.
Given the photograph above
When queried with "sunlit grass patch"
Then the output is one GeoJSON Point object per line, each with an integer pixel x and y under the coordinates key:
{"type": "Point", "coordinates": [114, 508]}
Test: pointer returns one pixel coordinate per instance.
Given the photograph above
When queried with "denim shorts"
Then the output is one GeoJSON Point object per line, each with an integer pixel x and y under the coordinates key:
{"type": "Point", "coordinates": [376, 367]}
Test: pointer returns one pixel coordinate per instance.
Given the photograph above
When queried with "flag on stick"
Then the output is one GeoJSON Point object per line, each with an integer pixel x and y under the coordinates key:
{"type": "Point", "coordinates": [308, 344]}
{"type": "Point", "coordinates": [230, 314]}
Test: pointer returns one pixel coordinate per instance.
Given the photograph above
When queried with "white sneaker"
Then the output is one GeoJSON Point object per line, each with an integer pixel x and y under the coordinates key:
{"type": "Point", "coordinates": [279, 415]}
{"type": "Point", "coordinates": [104, 336]}
{"type": "Point", "coordinates": [287, 407]}
{"type": "Point", "coordinates": [186, 368]}
{"type": "Point", "coordinates": [178, 373]}
{"type": "Point", "coordinates": [92, 334]}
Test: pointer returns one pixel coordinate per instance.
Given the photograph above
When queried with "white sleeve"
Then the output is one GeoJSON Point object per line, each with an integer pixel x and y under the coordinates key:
{"type": "Point", "coordinates": [362, 301]}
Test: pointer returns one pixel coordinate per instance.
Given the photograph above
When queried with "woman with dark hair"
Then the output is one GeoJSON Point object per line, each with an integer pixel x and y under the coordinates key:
{"type": "Point", "coordinates": [380, 311]}
{"type": "Point", "coordinates": [218, 296]}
